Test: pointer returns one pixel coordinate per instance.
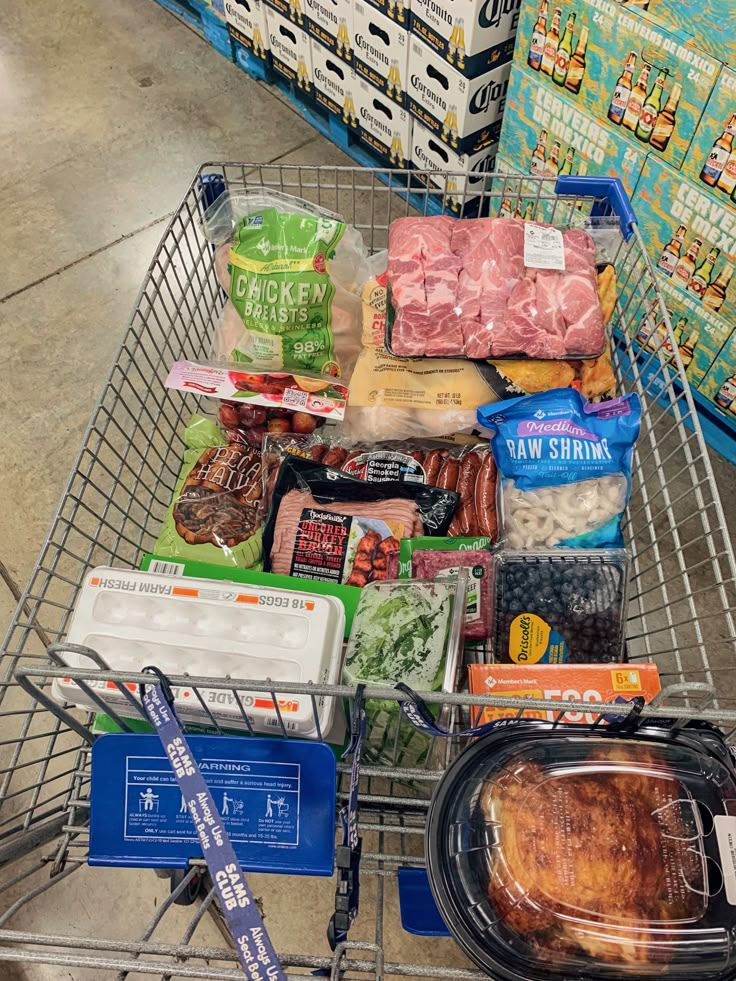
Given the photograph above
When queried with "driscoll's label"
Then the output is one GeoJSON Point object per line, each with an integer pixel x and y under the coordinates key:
{"type": "Point", "coordinates": [282, 289]}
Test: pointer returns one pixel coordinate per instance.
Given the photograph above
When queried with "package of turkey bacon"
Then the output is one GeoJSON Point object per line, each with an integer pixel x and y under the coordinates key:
{"type": "Point", "coordinates": [496, 288]}
{"type": "Point", "coordinates": [324, 524]}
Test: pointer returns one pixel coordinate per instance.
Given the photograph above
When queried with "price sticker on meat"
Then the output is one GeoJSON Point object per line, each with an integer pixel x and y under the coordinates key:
{"type": "Point", "coordinates": [543, 248]}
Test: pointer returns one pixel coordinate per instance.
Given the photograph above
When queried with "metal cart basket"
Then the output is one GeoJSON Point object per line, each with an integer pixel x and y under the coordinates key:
{"type": "Point", "coordinates": [680, 609]}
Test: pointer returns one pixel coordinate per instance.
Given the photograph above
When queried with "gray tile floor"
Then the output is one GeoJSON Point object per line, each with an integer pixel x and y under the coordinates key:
{"type": "Point", "coordinates": [107, 108]}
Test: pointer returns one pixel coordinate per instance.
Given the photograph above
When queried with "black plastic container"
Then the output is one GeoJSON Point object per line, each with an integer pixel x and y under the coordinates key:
{"type": "Point", "coordinates": [573, 854]}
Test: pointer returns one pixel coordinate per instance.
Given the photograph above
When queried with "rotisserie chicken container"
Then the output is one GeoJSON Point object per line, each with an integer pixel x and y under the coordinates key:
{"type": "Point", "coordinates": [569, 853]}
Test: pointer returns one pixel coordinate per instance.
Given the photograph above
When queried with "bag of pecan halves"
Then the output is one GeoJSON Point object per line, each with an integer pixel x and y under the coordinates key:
{"type": "Point", "coordinates": [215, 512]}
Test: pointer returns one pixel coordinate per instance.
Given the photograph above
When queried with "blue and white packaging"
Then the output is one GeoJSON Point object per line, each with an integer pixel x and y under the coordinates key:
{"type": "Point", "coordinates": [564, 467]}
{"type": "Point", "coordinates": [276, 798]}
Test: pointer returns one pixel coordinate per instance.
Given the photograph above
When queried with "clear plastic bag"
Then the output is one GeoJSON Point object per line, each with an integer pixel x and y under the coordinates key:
{"type": "Point", "coordinates": [293, 274]}
{"type": "Point", "coordinates": [548, 516]}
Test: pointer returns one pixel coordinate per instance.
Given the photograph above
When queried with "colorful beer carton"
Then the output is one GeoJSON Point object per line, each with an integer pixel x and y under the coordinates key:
{"type": "Point", "coordinates": [331, 23]}
{"type": "Point", "coordinates": [719, 385]}
{"type": "Point", "coordinates": [381, 51]}
{"type": "Point", "coordinates": [641, 81]}
{"type": "Point", "coordinates": [462, 192]}
{"type": "Point", "coordinates": [511, 197]}
{"type": "Point", "coordinates": [471, 35]}
{"type": "Point", "coordinates": [711, 159]}
{"type": "Point", "coordinates": [291, 55]}
{"type": "Point", "coordinates": [709, 22]}
{"type": "Point", "coordinates": [335, 85]}
{"type": "Point", "coordinates": [548, 134]}
{"type": "Point", "coordinates": [691, 238]}
{"type": "Point", "coordinates": [699, 334]}
{"type": "Point", "coordinates": [464, 113]}
{"type": "Point", "coordinates": [246, 21]}
{"type": "Point", "coordinates": [598, 684]}
{"type": "Point", "coordinates": [384, 126]}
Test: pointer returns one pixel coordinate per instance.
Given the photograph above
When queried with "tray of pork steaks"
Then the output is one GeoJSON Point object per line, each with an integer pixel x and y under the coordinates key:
{"type": "Point", "coordinates": [492, 288]}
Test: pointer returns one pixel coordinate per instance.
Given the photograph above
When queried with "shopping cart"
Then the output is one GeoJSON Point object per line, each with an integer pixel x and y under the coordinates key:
{"type": "Point", "coordinates": [680, 609]}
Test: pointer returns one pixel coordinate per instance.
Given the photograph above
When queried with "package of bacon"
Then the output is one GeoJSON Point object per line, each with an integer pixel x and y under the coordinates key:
{"type": "Point", "coordinates": [324, 524]}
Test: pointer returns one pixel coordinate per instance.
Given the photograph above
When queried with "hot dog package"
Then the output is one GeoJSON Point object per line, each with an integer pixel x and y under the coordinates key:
{"type": "Point", "coordinates": [324, 524]}
{"type": "Point", "coordinates": [564, 467]}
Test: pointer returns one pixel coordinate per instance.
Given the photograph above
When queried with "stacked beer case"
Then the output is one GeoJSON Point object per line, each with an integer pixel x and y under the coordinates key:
{"type": "Point", "coordinates": [645, 92]}
{"type": "Point", "coordinates": [422, 83]}
{"type": "Point", "coordinates": [459, 64]}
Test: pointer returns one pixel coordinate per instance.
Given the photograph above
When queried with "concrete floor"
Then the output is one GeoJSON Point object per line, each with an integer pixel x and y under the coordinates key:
{"type": "Point", "coordinates": [107, 108]}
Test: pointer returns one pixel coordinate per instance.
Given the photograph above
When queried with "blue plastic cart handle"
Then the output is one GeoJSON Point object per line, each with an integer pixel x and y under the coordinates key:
{"type": "Point", "coordinates": [617, 200]}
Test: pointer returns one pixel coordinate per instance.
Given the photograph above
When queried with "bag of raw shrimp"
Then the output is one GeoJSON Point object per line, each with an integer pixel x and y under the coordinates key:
{"type": "Point", "coordinates": [564, 468]}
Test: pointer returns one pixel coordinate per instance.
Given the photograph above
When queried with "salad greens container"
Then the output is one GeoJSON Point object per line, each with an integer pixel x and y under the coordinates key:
{"type": "Point", "coordinates": [406, 631]}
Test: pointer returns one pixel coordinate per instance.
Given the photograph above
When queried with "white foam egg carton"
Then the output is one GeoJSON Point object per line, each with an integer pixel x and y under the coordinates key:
{"type": "Point", "coordinates": [213, 629]}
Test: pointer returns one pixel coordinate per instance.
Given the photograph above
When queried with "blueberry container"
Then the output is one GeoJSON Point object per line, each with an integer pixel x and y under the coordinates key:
{"type": "Point", "coordinates": [577, 854]}
{"type": "Point", "coordinates": [559, 606]}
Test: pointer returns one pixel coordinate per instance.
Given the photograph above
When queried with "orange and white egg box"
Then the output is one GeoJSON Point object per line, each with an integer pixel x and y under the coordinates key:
{"type": "Point", "coordinates": [594, 683]}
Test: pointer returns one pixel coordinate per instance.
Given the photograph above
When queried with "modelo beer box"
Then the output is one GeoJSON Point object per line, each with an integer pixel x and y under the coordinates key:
{"type": "Point", "coordinates": [291, 55]}
{"type": "Point", "coordinates": [331, 23]}
{"type": "Point", "coordinates": [711, 159]}
{"type": "Point", "coordinates": [471, 35]}
{"type": "Point", "coordinates": [464, 113]}
{"type": "Point", "coordinates": [549, 135]}
{"type": "Point", "coordinates": [641, 81]}
{"type": "Point", "coordinates": [434, 160]}
{"type": "Point", "coordinates": [691, 238]}
{"type": "Point", "coordinates": [699, 334]}
{"type": "Point", "coordinates": [246, 21]}
{"type": "Point", "coordinates": [709, 22]}
{"type": "Point", "coordinates": [335, 85]}
{"type": "Point", "coordinates": [384, 126]}
{"type": "Point", "coordinates": [381, 51]}
{"type": "Point", "coordinates": [719, 385]}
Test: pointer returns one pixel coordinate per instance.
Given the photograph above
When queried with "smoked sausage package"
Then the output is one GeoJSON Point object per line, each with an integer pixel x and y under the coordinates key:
{"type": "Point", "coordinates": [324, 524]}
{"type": "Point", "coordinates": [468, 469]}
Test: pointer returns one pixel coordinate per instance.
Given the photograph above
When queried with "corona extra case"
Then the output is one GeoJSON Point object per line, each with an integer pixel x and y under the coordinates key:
{"type": "Point", "coordinates": [247, 25]}
{"type": "Point", "coordinates": [437, 159]}
{"type": "Point", "coordinates": [384, 127]}
{"type": "Point", "coordinates": [471, 35]}
{"type": "Point", "coordinates": [464, 113]}
{"type": "Point", "coordinates": [330, 22]}
{"type": "Point", "coordinates": [291, 54]}
{"type": "Point", "coordinates": [335, 85]}
{"type": "Point", "coordinates": [381, 51]}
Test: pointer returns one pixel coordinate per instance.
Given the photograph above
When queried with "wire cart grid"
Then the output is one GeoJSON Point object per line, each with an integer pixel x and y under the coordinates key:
{"type": "Point", "coordinates": [680, 613]}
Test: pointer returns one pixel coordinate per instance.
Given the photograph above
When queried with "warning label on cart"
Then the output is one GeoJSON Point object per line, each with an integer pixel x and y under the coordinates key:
{"type": "Point", "coordinates": [258, 801]}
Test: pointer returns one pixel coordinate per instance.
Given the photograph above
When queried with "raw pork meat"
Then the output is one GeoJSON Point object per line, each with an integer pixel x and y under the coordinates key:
{"type": "Point", "coordinates": [461, 287]}
{"type": "Point", "coordinates": [423, 271]}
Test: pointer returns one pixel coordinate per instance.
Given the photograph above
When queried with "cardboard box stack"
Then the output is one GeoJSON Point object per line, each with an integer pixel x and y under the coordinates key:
{"type": "Point", "coordinates": [458, 70]}
{"type": "Point", "coordinates": [423, 88]}
{"type": "Point", "coordinates": [639, 90]}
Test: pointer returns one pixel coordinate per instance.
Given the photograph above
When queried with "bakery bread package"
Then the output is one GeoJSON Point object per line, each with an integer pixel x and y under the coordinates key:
{"type": "Point", "coordinates": [555, 854]}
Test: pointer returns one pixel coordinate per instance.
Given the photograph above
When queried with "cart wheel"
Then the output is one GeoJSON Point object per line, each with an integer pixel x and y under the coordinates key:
{"type": "Point", "coordinates": [192, 891]}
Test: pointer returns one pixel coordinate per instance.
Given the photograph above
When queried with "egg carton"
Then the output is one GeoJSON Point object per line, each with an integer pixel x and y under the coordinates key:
{"type": "Point", "coordinates": [217, 629]}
